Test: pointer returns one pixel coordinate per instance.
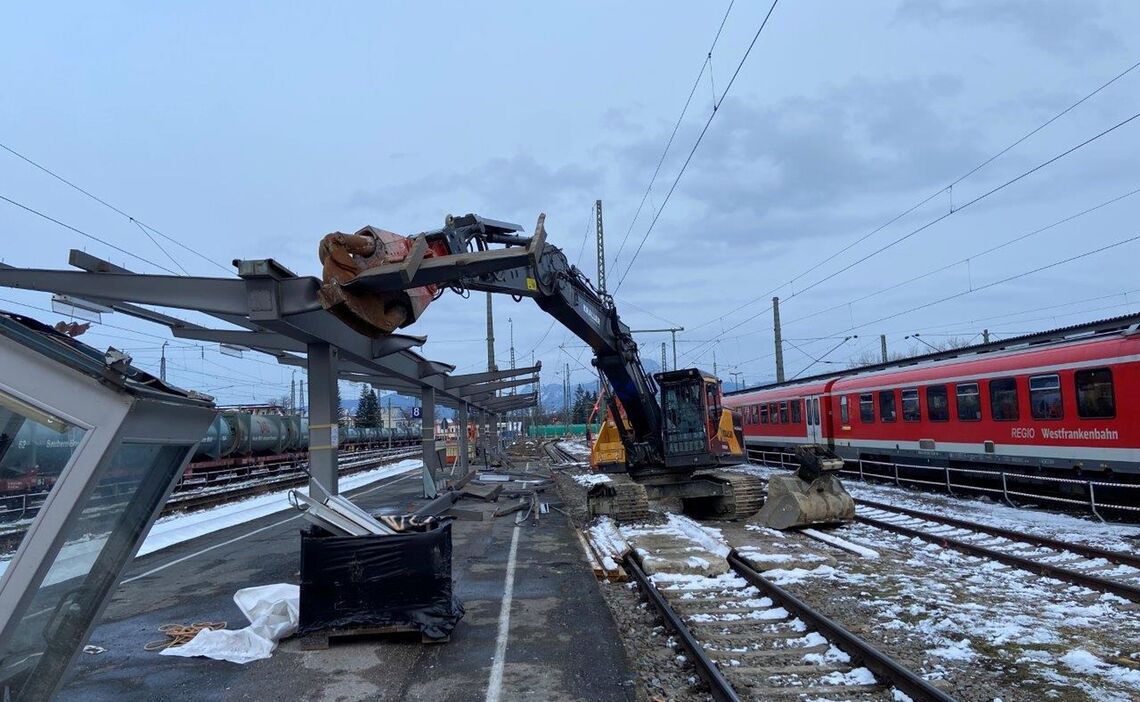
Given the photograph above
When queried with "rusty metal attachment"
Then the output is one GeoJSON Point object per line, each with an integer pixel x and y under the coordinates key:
{"type": "Point", "coordinates": [345, 256]}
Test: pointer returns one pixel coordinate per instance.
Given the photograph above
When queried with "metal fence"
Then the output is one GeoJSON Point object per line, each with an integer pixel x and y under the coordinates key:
{"type": "Point", "coordinates": [1013, 485]}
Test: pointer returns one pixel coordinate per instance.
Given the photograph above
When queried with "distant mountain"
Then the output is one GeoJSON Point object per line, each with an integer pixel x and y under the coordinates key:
{"type": "Point", "coordinates": [552, 396]}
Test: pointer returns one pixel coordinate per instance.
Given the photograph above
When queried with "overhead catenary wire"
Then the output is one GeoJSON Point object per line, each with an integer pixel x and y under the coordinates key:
{"type": "Point", "coordinates": [87, 235]}
{"type": "Point", "coordinates": [940, 218]}
{"type": "Point", "coordinates": [672, 135]}
{"type": "Point", "coordinates": [697, 143]}
{"type": "Point", "coordinates": [142, 225]}
{"type": "Point", "coordinates": [930, 197]}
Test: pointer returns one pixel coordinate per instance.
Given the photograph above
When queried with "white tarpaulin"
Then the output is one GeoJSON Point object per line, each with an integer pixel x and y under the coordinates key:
{"type": "Point", "coordinates": [273, 613]}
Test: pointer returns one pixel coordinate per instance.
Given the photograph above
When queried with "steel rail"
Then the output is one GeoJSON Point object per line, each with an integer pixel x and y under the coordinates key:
{"type": "Point", "coordinates": [1131, 592]}
{"type": "Point", "coordinates": [1032, 539]}
{"type": "Point", "coordinates": [720, 688]}
{"type": "Point", "coordinates": [883, 666]}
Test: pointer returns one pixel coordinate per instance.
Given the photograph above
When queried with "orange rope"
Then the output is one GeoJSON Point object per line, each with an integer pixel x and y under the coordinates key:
{"type": "Point", "coordinates": [179, 634]}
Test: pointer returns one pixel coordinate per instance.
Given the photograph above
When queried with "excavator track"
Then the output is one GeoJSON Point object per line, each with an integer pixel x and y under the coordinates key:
{"type": "Point", "coordinates": [742, 499]}
{"type": "Point", "coordinates": [621, 498]}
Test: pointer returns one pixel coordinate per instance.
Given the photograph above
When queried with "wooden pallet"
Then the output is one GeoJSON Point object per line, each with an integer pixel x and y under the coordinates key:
{"type": "Point", "coordinates": [320, 640]}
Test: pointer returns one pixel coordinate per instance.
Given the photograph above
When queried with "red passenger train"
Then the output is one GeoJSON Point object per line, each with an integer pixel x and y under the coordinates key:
{"type": "Point", "coordinates": [1064, 403]}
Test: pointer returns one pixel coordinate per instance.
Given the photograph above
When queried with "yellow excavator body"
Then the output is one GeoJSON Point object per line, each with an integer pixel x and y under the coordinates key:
{"type": "Point", "coordinates": [731, 436]}
{"type": "Point", "coordinates": [607, 451]}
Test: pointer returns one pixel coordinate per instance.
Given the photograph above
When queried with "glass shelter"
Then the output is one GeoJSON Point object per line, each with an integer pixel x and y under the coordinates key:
{"type": "Point", "coordinates": [102, 443]}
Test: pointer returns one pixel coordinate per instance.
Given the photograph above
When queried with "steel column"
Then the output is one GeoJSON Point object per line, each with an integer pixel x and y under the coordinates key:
{"type": "Point", "coordinates": [323, 410]}
{"type": "Point", "coordinates": [461, 433]}
{"type": "Point", "coordinates": [427, 432]}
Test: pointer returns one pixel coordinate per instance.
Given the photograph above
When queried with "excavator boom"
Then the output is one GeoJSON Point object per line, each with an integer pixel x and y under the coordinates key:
{"type": "Point", "coordinates": [377, 281]}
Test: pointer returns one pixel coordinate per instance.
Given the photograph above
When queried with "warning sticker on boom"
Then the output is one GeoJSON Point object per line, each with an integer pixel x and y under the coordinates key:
{"type": "Point", "coordinates": [531, 284]}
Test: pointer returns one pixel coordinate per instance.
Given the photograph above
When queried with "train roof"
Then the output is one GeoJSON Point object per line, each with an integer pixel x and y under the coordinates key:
{"type": "Point", "coordinates": [1053, 338]}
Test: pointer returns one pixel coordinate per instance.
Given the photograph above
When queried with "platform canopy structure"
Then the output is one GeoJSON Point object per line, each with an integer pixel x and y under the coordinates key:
{"type": "Point", "coordinates": [272, 311]}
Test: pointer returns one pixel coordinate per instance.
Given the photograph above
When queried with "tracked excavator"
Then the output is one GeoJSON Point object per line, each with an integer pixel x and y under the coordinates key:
{"type": "Point", "coordinates": [666, 436]}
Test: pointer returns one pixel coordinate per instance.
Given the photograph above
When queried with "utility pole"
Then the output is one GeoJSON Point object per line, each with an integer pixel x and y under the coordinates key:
{"type": "Point", "coordinates": [662, 355]}
{"type": "Point", "coordinates": [293, 392]}
{"type": "Point", "coordinates": [391, 424]}
{"type": "Point", "coordinates": [490, 336]}
{"type": "Point", "coordinates": [670, 330]}
{"type": "Point", "coordinates": [304, 405]}
{"type": "Point", "coordinates": [985, 336]}
{"type": "Point", "coordinates": [883, 345]}
{"type": "Point", "coordinates": [714, 362]}
{"type": "Point", "coordinates": [779, 339]}
{"type": "Point", "coordinates": [511, 322]}
{"type": "Point", "coordinates": [566, 400]}
{"type": "Point", "coordinates": [601, 242]}
{"type": "Point", "coordinates": [738, 376]}
{"type": "Point", "coordinates": [601, 247]}
{"type": "Point", "coordinates": [162, 363]}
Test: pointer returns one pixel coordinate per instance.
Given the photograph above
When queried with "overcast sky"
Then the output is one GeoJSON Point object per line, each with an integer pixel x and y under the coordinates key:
{"type": "Point", "coordinates": [249, 130]}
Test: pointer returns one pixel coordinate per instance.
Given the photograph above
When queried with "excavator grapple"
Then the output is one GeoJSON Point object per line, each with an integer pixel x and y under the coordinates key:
{"type": "Point", "coordinates": [812, 495]}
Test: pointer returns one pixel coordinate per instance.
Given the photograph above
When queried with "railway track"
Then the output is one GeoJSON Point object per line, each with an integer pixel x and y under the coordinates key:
{"type": "Point", "coordinates": [1097, 569]}
{"type": "Point", "coordinates": [202, 499]}
{"type": "Point", "coordinates": [558, 454]}
{"type": "Point", "coordinates": [750, 639]}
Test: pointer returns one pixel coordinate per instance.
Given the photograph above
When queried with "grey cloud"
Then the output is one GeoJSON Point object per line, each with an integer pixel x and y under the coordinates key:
{"type": "Point", "coordinates": [1073, 27]}
{"type": "Point", "coordinates": [519, 179]}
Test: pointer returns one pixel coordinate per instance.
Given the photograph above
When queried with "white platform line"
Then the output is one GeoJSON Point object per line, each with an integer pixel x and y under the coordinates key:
{"type": "Point", "coordinates": [246, 535]}
{"type": "Point", "coordinates": [495, 685]}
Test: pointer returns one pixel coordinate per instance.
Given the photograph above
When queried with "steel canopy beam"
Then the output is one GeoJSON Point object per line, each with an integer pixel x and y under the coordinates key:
{"type": "Point", "coordinates": [280, 311]}
{"type": "Point", "coordinates": [256, 340]}
{"type": "Point", "coordinates": [458, 381]}
{"type": "Point", "coordinates": [484, 388]}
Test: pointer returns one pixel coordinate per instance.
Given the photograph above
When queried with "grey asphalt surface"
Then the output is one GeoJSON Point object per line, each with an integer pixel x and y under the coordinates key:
{"type": "Point", "coordinates": [562, 644]}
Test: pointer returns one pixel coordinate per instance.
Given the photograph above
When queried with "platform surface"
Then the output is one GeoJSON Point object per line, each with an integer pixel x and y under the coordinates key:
{"type": "Point", "coordinates": [561, 642]}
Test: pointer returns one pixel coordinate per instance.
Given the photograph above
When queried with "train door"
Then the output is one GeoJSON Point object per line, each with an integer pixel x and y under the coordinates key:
{"type": "Point", "coordinates": [812, 415]}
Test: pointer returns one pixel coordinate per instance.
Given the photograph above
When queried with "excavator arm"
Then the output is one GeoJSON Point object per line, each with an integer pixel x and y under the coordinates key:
{"type": "Point", "coordinates": [375, 281]}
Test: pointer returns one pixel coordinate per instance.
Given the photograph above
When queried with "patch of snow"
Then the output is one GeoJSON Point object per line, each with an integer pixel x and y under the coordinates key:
{"type": "Point", "coordinates": [955, 651]}
{"type": "Point", "coordinates": [591, 479]}
{"type": "Point", "coordinates": [797, 575]}
{"type": "Point", "coordinates": [607, 538]}
{"type": "Point", "coordinates": [1082, 661]}
{"type": "Point", "coordinates": [858, 676]}
{"type": "Point", "coordinates": [841, 543]}
{"type": "Point", "coordinates": [76, 558]}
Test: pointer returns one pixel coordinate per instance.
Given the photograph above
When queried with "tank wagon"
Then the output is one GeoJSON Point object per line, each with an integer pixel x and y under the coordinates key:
{"type": "Point", "coordinates": [238, 442]}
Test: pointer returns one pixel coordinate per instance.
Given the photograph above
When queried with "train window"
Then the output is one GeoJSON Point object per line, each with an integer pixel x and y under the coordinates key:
{"type": "Point", "coordinates": [763, 414]}
{"type": "Point", "coordinates": [887, 405]}
{"type": "Point", "coordinates": [937, 403]}
{"type": "Point", "coordinates": [784, 412]}
{"type": "Point", "coordinates": [797, 415]}
{"type": "Point", "coordinates": [969, 402]}
{"type": "Point", "coordinates": [912, 411]}
{"type": "Point", "coordinates": [867, 408]}
{"type": "Point", "coordinates": [1045, 397]}
{"type": "Point", "coordinates": [1003, 400]}
{"type": "Point", "coordinates": [1095, 399]}
{"type": "Point", "coordinates": [844, 412]}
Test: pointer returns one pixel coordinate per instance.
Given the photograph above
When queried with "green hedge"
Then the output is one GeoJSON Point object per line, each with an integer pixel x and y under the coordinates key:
{"type": "Point", "coordinates": [550, 431]}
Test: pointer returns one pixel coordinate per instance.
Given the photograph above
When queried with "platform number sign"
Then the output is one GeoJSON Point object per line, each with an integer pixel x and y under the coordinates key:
{"type": "Point", "coordinates": [417, 412]}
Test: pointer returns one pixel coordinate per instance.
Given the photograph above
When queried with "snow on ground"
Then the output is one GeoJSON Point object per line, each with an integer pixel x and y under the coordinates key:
{"type": "Point", "coordinates": [75, 558]}
{"type": "Point", "coordinates": [682, 529]}
{"type": "Point", "coordinates": [607, 540]}
{"type": "Point", "coordinates": [1045, 635]}
{"type": "Point", "coordinates": [841, 543]}
{"type": "Point", "coordinates": [1076, 529]}
{"type": "Point", "coordinates": [591, 479]}
{"type": "Point", "coordinates": [576, 448]}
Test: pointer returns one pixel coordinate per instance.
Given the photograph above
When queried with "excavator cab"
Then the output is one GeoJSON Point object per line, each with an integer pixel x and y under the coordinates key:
{"type": "Point", "coordinates": [698, 430]}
